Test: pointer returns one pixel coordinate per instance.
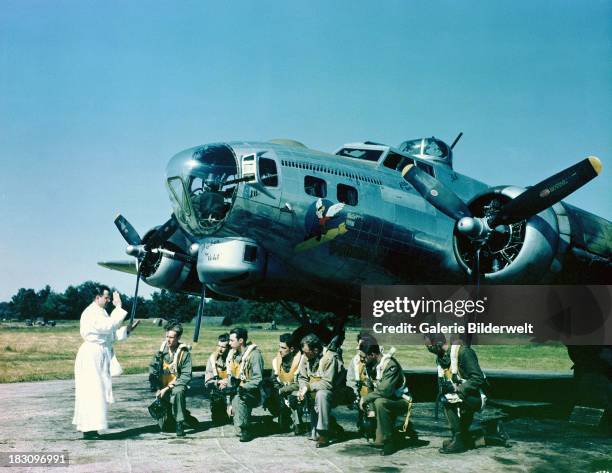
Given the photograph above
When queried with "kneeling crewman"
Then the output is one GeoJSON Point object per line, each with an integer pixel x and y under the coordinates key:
{"type": "Point", "coordinates": [169, 375]}
{"type": "Point", "coordinates": [319, 376]}
{"type": "Point", "coordinates": [390, 398]}
{"type": "Point", "coordinates": [245, 367]}
{"type": "Point", "coordinates": [285, 371]}
{"type": "Point", "coordinates": [216, 370]}
{"type": "Point", "coordinates": [359, 380]}
{"type": "Point", "coordinates": [462, 384]}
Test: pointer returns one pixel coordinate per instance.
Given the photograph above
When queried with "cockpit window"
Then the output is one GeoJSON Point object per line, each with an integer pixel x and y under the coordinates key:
{"type": "Point", "coordinates": [397, 162]}
{"type": "Point", "coordinates": [268, 172]}
{"type": "Point", "coordinates": [428, 168]}
{"type": "Point", "coordinates": [365, 154]}
{"type": "Point", "coordinates": [204, 192]}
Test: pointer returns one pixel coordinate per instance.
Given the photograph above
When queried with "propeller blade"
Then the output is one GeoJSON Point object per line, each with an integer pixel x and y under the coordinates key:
{"type": "Point", "coordinates": [135, 300]}
{"type": "Point", "coordinates": [129, 267]}
{"type": "Point", "coordinates": [548, 192]}
{"type": "Point", "coordinates": [196, 333]}
{"type": "Point", "coordinates": [432, 190]}
{"type": "Point", "coordinates": [476, 276]}
{"type": "Point", "coordinates": [162, 233]}
{"type": "Point", "coordinates": [127, 230]}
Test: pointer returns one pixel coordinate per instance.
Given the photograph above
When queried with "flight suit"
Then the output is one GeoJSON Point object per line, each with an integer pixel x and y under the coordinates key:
{"type": "Point", "coordinates": [285, 382]}
{"type": "Point", "coordinates": [319, 377]}
{"type": "Point", "coordinates": [389, 398]}
{"type": "Point", "coordinates": [175, 368]}
{"type": "Point", "coordinates": [216, 369]}
{"type": "Point", "coordinates": [357, 377]}
{"type": "Point", "coordinates": [459, 365]}
{"type": "Point", "coordinates": [245, 369]}
{"type": "Point", "coordinates": [359, 381]}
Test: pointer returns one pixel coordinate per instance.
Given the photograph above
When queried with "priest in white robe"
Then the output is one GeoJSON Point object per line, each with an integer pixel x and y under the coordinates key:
{"type": "Point", "coordinates": [95, 362]}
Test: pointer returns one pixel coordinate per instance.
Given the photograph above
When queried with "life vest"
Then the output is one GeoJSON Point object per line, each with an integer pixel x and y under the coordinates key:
{"type": "Point", "coordinates": [216, 368]}
{"type": "Point", "coordinates": [322, 365]}
{"type": "Point", "coordinates": [231, 364]}
{"type": "Point", "coordinates": [400, 391]}
{"type": "Point", "coordinates": [453, 374]}
{"type": "Point", "coordinates": [169, 370]}
{"type": "Point", "coordinates": [242, 370]}
{"type": "Point", "coordinates": [286, 377]}
{"type": "Point", "coordinates": [361, 375]}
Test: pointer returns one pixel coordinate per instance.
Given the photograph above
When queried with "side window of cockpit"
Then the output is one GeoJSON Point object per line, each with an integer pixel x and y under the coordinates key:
{"type": "Point", "coordinates": [347, 194]}
{"type": "Point", "coordinates": [315, 186]}
{"type": "Point", "coordinates": [397, 162]}
{"type": "Point", "coordinates": [268, 172]}
{"type": "Point", "coordinates": [428, 168]}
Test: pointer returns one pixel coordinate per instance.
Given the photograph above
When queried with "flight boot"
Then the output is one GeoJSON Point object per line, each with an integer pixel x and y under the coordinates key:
{"type": "Point", "coordinates": [457, 445]}
{"type": "Point", "coordinates": [246, 436]}
{"type": "Point", "coordinates": [389, 448]}
{"type": "Point", "coordinates": [180, 429]}
{"type": "Point", "coordinates": [323, 441]}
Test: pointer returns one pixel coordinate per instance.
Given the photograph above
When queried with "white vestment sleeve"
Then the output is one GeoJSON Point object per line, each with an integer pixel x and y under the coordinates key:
{"type": "Point", "coordinates": [108, 324]}
{"type": "Point", "coordinates": [121, 333]}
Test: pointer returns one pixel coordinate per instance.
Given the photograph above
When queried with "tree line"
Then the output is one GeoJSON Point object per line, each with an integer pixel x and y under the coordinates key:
{"type": "Point", "coordinates": [51, 305]}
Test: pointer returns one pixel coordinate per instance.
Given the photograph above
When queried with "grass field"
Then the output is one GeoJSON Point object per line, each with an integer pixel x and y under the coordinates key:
{"type": "Point", "coordinates": [43, 353]}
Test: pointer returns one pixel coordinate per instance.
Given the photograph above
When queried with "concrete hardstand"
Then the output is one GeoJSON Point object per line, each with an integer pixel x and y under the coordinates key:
{"type": "Point", "coordinates": [36, 418]}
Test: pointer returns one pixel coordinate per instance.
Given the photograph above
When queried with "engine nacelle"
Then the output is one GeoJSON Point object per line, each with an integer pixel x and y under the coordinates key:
{"type": "Point", "coordinates": [530, 251]}
{"type": "Point", "coordinates": [235, 262]}
{"type": "Point", "coordinates": [164, 272]}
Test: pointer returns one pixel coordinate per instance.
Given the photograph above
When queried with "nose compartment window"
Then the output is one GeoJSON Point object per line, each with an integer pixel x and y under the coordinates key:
{"type": "Point", "coordinates": [180, 200]}
{"type": "Point", "coordinates": [209, 201]}
{"type": "Point", "coordinates": [206, 189]}
{"type": "Point", "coordinates": [211, 186]}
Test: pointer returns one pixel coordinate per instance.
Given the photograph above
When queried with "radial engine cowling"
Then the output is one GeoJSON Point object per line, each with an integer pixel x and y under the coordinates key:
{"type": "Point", "coordinates": [529, 251]}
{"type": "Point", "coordinates": [161, 271]}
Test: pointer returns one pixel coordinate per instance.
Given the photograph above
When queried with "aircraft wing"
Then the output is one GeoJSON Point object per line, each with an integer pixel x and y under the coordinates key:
{"type": "Point", "coordinates": [125, 266]}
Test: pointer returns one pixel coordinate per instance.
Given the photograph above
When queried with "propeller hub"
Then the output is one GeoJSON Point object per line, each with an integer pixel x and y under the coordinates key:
{"type": "Point", "coordinates": [473, 227]}
{"type": "Point", "coordinates": [137, 251]}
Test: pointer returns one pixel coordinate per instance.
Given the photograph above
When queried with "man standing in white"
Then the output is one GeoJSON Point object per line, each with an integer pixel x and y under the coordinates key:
{"type": "Point", "coordinates": [95, 362]}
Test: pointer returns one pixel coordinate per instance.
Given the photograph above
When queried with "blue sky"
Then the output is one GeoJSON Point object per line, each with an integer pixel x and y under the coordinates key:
{"type": "Point", "coordinates": [95, 97]}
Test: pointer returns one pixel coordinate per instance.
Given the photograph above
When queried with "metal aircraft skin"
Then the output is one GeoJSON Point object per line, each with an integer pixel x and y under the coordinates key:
{"type": "Point", "coordinates": [279, 221]}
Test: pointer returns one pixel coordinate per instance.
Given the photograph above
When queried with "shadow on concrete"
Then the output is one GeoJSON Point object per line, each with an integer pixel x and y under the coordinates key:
{"type": "Point", "coordinates": [131, 433]}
